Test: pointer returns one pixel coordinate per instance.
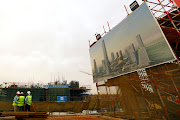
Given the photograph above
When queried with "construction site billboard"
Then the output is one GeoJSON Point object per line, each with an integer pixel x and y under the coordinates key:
{"type": "Point", "coordinates": [135, 43]}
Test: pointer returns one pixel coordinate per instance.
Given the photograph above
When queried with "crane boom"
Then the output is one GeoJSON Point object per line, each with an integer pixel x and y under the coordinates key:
{"type": "Point", "coordinates": [86, 73]}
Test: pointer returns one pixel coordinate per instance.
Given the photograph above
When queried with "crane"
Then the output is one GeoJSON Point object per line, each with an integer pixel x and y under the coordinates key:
{"type": "Point", "coordinates": [86, 73]}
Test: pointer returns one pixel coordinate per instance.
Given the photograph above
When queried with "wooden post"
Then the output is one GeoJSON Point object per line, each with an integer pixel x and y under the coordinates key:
{"type": "Point", "coordinates": [112, 103]}
{"type": "Point", "coordinates": [159, 94]}
{"type": "Point", "coordinates": [108, 99]}
{"type": "Point", "coordinates": [126, 10]}
{"type": "Point", "coordinates": [118, 94]}
{"type": "Point", "coordinates": [143, 95]}
{"type": "Point", "coordinates": [109, 26]}
{"type": "Point", "coordinates": [173, 83]}
{"type": "Point", "coordinates": [169, 17]}
{"type": "Point", "coordinates": [98, 96]}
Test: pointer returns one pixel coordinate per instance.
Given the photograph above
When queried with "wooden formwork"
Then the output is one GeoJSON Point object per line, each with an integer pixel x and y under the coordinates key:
{"type": "Point", "coordinates": [75, 107]}
{"type": "Point", "coordinates": [132, 100]}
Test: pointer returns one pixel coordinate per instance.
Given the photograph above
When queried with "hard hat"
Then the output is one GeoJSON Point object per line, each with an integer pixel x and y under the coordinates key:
{"type": "Point", "coordinates": [18, 92]}
{"type": "Point", "coordinates": [22, 93]}
{"type": "Point", "coordinates": [28, 92]}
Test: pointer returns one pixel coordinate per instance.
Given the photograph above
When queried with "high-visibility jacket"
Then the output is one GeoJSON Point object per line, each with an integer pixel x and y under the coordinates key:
{"type": "Point", "coordinates": [14, 103]}
{"type": "Point", "coordinates": [21, 101]}
{"type": "Point", "coordinates": [29, 100]}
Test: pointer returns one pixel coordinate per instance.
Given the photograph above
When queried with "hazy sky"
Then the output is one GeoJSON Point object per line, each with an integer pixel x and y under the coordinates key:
{"type": "Point", "coordinates": [38, 37]}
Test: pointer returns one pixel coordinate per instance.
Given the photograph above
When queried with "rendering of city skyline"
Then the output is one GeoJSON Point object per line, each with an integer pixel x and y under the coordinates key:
{"type": "Point", "coordinates": [130, 46]}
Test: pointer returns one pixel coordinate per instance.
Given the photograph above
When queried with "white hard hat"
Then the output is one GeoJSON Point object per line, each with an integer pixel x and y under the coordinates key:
{"type": "Point", "coordinates": [22, 93]}
{"type": "Point", "coordinates": [18, 92]}
{"type": "Point", "coordinates": [28, 92]}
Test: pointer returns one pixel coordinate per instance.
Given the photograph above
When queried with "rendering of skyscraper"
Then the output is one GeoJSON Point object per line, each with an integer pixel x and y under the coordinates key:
{"type": "Point", "coordinates": [95, 67]}
{"type": "Point", "coordinates": [121, 55]}
{"type": "Point", "coordinates": [139, 40]}
{"type": "Point", "coordinates": [143, 58]}
{"type": "Point", "coordinates": [100, 70]}
{"type": "Point", "coordinates": [103, 65]}
{"type": "Point", "coordinates": [131, 54]}
{"type": "Point", "coordinates": [117, 54]}
{"type": "Point", "coordinates": [112, 57]}
{"type": "Point", "coordinates": [107, 64]}
{"type": "Point", "coordinates": [128, 55]}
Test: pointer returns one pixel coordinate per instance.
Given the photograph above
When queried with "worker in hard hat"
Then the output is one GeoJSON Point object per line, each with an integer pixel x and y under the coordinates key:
{"type": "Point", "coordinates": [28, 101]}
{"type": "Point", "coordinates": [21, 102]}
{"type": "Point", "coordinates": [15, 102]}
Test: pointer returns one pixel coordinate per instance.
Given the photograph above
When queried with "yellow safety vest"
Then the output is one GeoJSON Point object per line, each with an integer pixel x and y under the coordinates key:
{"type": "Point", "coordinates": [29, 98]}
{"type": "Point", "coordinates": [21, 101]}
{"type": "Point", "coordinates": [14, 103]}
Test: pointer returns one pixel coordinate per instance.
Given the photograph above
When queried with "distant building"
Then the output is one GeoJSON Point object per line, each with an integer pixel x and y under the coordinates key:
{"type": "Point", "coordinates": [131, 54]}
{"type": "Point", "coordinates": [74, 84]}
{"type": "Point", "coordinates": [48, 93]}
{"type": "Point", "coordinates": [143, 58]}
{"type": "Point", "coordinates": [107, 64]}
{"type": "Point", "coordinates": [112, 57]}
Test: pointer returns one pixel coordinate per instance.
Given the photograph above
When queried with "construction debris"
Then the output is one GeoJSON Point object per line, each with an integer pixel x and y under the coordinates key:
{"type": "Point", "coordinates": [25, 115]}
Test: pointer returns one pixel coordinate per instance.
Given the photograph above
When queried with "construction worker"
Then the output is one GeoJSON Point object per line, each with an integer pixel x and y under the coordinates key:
{"type": "Point", "coordinates": [15, 102]}
{"type": "Point", "coordinates": [21, 102]}
{"type": "Point", "coordinates": [28, 101]}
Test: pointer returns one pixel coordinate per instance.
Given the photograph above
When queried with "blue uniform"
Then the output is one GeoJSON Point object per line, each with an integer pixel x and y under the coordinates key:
{"type": "Point", "coordinates": [15, 99]}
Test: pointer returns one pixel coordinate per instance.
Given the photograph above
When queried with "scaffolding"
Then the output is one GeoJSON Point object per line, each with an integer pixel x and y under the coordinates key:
{"type": "Point", "coordinates": [151, 93]}
{"type": "Point", "coordinates": [168, 17]}
{"type": "Point", "coordinates": [46, 94]}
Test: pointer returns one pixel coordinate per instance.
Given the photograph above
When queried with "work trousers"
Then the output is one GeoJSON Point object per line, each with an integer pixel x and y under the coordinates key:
{"type": "Point", "coordinates": [15, 108]}
{"type": "Point", "coordinates": [27, 107]}
{"type": "Point", "coordinates": [21, 108]}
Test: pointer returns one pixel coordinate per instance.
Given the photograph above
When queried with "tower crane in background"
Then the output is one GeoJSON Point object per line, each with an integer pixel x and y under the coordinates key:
{"type": "Point", "coordinates": [86, 73]}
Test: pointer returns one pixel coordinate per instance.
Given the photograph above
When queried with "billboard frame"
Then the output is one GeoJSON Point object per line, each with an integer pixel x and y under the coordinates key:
{"type": "Point", "coordinates": [175, 57]}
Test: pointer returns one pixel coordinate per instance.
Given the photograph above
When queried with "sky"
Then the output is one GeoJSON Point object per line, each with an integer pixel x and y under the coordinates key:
{"type": "Point", "coordinates": [43, 37]}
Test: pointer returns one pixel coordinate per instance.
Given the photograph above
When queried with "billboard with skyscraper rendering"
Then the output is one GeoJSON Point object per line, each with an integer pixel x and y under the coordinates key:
{"type": "Point", "coordinates": [137, 42]}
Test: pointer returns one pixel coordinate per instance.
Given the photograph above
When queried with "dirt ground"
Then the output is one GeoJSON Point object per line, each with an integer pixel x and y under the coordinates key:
{"type": "Point", "coordinates": [82, 117]}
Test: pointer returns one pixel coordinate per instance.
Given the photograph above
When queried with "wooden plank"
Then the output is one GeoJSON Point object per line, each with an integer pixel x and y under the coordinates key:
{"type": "Point", "coordinates": [8, 118]}
{"type": "Point", "coordinates": [26, 114]}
